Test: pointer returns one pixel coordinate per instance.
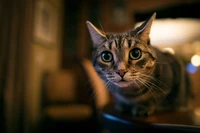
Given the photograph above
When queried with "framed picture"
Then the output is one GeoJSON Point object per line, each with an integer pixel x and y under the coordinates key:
{"type": "Point", "coordinates": [45, 23]}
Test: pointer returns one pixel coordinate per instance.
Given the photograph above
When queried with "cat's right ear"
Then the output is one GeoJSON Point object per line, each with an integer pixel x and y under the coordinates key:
{"type": "Point", "coordinates": [97, 36]}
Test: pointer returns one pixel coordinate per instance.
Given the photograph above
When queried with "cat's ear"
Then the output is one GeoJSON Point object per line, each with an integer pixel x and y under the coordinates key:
{"type": "Point", "coordinates": [143, 31]}
{"type": "Point", "coordinates": [97, 36]}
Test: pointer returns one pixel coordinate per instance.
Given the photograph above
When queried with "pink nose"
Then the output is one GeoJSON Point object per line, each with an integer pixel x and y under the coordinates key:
{"type": "Point", "coordinates": [121, 72]}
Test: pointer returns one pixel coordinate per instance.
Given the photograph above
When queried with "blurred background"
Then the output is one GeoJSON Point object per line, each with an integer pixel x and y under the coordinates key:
{"type": "Point", "coordinates": [47, 82]}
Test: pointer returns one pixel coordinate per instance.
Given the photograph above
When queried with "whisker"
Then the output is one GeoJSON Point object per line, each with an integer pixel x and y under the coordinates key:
{"type": "Point", "coordinates": [110, 76]}
{"type": "Point", "coordinates": [149, 88]}
{"type": "Point", "coordinates": [158, 88]}
{"type": "Point", "coordinates": [139, 87]}
{"type": "Point", "coordinates": [92, 87]}
{"type": "Point", "coordinates": [103, 30]}
{"type": "Point", "coordinates": [108, 85]}
{"type": "Point", "coordinates": [154, 79]}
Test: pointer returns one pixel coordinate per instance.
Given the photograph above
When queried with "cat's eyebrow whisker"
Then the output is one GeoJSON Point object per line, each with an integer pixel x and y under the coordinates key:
{"type": "Point", "coordinates": [103, 30]}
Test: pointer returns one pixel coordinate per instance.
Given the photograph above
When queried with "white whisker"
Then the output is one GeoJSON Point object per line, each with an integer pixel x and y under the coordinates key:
{"type": "Point", "coordinates": [92, 87]}
{"type": "Point", "coordinates": [149, 88]}
{"type": "Point", "coordinates": [154, 86]}
{"type": "Point", "coordinates": [139, 87]}
{"type": "Point", "coordinates": [108, 85]}
{"type": "Point", "coordinates": [103, 30]}
{"type": "Point", "coordinates": [154, 79]}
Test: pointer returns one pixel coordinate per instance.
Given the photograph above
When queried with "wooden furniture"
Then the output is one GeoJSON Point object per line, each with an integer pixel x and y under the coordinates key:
{"type": "Point", "coordinates": [67, 101]}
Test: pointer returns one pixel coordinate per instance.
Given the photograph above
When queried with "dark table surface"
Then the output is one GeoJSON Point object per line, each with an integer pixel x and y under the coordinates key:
{"type": "Point", "coordinates": [179, 121]}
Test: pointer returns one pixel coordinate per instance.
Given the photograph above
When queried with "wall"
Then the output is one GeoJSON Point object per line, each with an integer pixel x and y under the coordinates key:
{"type": "Point", "coordinates": [44, 59]}
{"type": "Point", "coordinates": [130, 8]}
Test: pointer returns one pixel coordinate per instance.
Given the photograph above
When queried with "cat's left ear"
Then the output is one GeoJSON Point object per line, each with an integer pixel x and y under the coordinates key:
{"type": "Point", "coordinates": [97, 36]}
{"type": "Point", "coordinates": [143, 31]}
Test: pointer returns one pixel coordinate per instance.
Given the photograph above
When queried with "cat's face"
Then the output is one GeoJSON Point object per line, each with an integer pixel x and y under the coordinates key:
{"type": "Point", "coordinates": [123, 60]}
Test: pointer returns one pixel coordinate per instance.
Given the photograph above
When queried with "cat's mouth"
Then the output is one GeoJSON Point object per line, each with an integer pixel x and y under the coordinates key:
{"type": "Point", "coordinates": [123, 83]}
{"type": "Point", "coordinates": [122, 80]}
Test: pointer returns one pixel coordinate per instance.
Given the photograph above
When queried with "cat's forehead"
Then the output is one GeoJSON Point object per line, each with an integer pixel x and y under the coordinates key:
{"type": "Point", "coordinates": [122, 37]}
{"type": "Point", "coordinates": [112, 36]}
{"type": "Point", "coordinates": [131, 34]}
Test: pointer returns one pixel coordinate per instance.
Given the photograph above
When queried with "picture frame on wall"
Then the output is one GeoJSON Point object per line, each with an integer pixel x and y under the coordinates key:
{"type": "Point", "coordinates": [45, 24]}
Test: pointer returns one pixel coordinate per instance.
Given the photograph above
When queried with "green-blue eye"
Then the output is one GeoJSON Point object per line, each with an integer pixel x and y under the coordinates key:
{"type": "Point", "coordinates": [106, 56]}
{"type": "Point", "coordinates": [135, 54]}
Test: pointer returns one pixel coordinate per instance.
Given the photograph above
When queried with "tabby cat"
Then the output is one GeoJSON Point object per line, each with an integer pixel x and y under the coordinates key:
{"type": "Point", "coordinates": [141, 78]}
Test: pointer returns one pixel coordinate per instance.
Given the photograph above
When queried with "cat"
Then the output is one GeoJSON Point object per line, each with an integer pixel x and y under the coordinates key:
{"type": "Point", "coordinates": [141, 78]}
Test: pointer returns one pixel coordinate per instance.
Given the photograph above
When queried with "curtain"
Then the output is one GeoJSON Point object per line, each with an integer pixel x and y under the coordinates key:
{"type": "Point", "coordinates": [15, 36]}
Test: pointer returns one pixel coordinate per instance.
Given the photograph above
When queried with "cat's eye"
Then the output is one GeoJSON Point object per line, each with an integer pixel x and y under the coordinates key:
{"type": "Point", "coordinates": [106, 56]}
{"type": "Point", "coordinates": [135, 54]}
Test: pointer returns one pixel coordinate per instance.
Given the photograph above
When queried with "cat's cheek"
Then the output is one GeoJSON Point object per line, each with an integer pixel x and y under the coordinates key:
{"type": "Point", "coordinates": [117, 78]}
{"type": "Point", "coordinates": [150, 64]}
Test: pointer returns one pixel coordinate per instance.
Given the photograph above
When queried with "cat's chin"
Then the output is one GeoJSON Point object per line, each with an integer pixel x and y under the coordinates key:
{"type": "Point", "coordinates": [123, 84]}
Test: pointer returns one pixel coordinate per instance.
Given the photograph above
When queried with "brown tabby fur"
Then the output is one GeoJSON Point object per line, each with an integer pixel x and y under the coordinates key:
{"type": "Point", "coordinates": [153, 81]}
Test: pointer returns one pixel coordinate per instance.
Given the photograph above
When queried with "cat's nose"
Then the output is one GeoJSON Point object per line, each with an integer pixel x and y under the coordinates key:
{"type": "Point", "coordinates": [121, 73]}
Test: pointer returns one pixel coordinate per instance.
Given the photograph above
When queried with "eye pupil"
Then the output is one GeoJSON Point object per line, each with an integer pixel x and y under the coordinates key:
{"type": "Point", "coordinates": [106, 56]}
{"type": "Point", "coordinates": [135, 54]}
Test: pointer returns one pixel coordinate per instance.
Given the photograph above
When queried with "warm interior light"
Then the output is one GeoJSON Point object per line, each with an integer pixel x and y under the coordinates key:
{"type": "Point", "coordinates": [167, 32]}
{"type": "Point", "coordinates": [169, 50]}
{"type": "Point", "coordinates": [195, 60]}
{"type": "Point", "coordinates": [197, 111]}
